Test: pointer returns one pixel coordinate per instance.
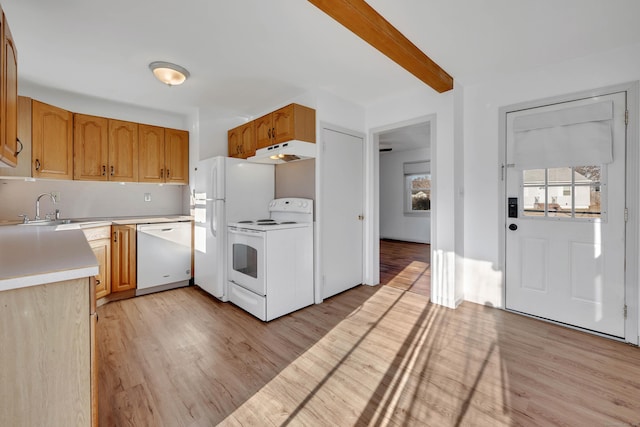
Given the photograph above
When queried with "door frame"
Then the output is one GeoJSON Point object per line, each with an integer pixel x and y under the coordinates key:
{"type": "Point", "coordinates": [631, 197]}
{"type": "Point", "coordinates": [319, 262]}
{"type": "Point", "coordinates": [372, 172]}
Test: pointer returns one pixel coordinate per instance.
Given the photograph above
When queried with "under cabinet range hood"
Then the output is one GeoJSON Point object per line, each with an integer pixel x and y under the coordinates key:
{"type": "Point", "coordinates": [285, 152]}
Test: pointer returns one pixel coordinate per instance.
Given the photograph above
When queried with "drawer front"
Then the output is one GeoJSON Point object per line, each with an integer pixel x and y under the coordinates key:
{"type": "Point", "coordinates": [248, 301]}
{"type": "Point", "coordinates": [96, 233]}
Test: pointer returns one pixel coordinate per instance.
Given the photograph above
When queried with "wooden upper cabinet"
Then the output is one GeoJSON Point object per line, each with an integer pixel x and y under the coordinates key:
{"type": "Point", "coordinates": [164, 155]}
{"type": "Point", "coordinates": [263, 128]}
{"type": "Point", "coordinates": [176, 156]}
{"type": "Point", "coordinates": [123, 151]}
{"type": "Point", "coordinates": [90, 147]}
{"type": "Point", "coordinates": [9, 98]}
{"type": "Point", "coordinates": [291, 122]}
{"type": "Point", "coordinates": [52, 141]}
{"type": "Point", "coordinates": [123, 258]}
{"type": "Point", "coordinates": [242, 141]}
{"type": "Point", "coordinates": [151, 161]}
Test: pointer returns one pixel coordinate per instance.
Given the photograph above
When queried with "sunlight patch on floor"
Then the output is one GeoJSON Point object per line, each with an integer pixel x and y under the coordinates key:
{"type": "Point", "coordinates": [391, 358]}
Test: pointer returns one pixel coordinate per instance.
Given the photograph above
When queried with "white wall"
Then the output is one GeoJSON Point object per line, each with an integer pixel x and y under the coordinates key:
{"type": "Point", "coordinates": [483, 267]}
{"type": "Point", "coordinates": [394, 223]}
{"type": "Point", "coordinates": [78, 103]}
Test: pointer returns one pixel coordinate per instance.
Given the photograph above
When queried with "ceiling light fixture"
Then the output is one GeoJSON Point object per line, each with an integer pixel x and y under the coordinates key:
{"type": "Point", "coordinates": [168, 73]}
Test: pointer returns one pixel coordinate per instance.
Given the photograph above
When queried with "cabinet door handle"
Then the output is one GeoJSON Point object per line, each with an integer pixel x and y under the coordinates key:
{"type": "Point", "coordinates": [161, 173]}
{"type": "Point", "coordinates": [115, 237]}
{"type": "Point", "coordinates": [37, 164]}
{"type": "Point", "coordinates": [269, 133]}
{"type": "Point", "coordinates": [273, 133]}
{"type": "Point", "coordinates": [112, 171]}
{"type": "Point", "coordinates": [21, 147]}
{"type": "Point", "coordinates": [167, 173]}
{"type": "Point", "coordinates": [104, 170]}
{"type": "Point", "coordinates": [97, 282]}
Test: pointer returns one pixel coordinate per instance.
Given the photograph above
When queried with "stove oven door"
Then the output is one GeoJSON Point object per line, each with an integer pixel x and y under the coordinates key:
{"type": "Point", "coordinates": [247, 259]}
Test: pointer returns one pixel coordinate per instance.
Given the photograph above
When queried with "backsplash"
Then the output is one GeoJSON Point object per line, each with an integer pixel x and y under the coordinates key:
{"type": "Point", "coordinates": [83, 199]}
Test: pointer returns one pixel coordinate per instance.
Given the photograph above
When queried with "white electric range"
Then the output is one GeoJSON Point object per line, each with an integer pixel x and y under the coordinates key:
{"type": "Point", "coordinates": [271, 260]}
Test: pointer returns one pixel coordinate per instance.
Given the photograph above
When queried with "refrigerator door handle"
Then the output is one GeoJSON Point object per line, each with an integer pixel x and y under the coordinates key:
{"type": "Point", "coordinates": [214, 220]}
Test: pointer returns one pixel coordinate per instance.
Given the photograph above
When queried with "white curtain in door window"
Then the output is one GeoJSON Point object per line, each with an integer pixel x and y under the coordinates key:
{"type": "Point", "coordinates": [575, 136]}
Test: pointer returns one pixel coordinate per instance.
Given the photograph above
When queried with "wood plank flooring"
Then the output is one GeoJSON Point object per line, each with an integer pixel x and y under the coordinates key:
{"type": "Point", "coordinates": [406, 266]}
{"type": "Point", "coordinates": [376, 356]}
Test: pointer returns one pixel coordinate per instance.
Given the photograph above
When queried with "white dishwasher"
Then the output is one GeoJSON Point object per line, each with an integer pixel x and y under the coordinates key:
{"type": "Point", "coordinates": [163, 256]}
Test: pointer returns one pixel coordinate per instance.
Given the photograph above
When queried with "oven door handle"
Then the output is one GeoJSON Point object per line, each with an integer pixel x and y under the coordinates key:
{"type": "Point", "coordinates": [243, 231]}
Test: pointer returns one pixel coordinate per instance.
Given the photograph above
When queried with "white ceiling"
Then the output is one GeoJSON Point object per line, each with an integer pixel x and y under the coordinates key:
{"type": "Point", "coordinates": [247, 56]}
{"type": "Point", "coordinates": [409, 137]}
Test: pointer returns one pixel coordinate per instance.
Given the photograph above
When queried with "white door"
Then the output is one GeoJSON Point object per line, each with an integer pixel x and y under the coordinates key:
{"type": "Point", "coordinates": [565, 236]}
{"type": "Point", "coordinates": [342, 212]}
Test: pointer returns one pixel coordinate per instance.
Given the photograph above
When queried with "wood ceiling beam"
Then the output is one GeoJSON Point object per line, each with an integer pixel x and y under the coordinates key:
{"type": "Point", "coordinates": [370, 26]}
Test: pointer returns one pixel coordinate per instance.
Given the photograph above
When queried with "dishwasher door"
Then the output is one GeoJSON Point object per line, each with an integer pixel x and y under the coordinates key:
{"type": "Point", "coordinates": [163, 253]}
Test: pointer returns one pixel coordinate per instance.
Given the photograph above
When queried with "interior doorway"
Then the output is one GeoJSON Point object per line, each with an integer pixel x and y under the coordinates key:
{"type": "Point", "coordinates": [404, 205]}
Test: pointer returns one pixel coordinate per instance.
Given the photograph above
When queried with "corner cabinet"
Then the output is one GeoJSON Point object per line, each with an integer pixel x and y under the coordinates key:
{"type": "Point", "coordinates": [163, 155]}
{"type": "Point", "coordinates": [9, 149]}
{"type": "Point", "coordinates": [123, 257]}
{"type": "Point", "coordinates": [49, 377]}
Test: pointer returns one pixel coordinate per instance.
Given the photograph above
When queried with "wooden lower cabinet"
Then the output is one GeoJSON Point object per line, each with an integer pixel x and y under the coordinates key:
{"type": "Point", "coordinates": [123, 257]}
{"type": "Point", "coordinates": [48, 345]}
{"type": "Point", "coordinates": [99, 239]}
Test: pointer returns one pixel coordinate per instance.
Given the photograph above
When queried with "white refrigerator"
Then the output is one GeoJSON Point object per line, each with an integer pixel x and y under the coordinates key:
{"type": "Point", "coordinates": [226, 190]}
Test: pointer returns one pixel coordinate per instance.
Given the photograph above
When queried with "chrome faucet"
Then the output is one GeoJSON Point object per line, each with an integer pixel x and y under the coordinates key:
{"type": "Point", "coordinates": [53, 199]}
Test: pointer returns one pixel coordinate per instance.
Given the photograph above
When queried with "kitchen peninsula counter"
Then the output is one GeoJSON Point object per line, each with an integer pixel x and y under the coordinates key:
{"type": "Point", "coordinates": [35, 255]}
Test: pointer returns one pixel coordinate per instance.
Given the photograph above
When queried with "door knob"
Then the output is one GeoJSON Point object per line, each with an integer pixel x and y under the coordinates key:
{"type": "Point", "coordinates": [513, 227]}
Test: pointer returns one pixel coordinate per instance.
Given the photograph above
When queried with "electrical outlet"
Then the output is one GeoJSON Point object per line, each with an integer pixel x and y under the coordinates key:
{"type": "Point", "coordinates": [147, 197]}
{"type": "Point", "coordinates": [56, 196]}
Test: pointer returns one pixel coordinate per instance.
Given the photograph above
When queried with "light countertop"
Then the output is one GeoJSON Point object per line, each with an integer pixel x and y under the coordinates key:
{"type": "Point", "coordinates": [36, 255]}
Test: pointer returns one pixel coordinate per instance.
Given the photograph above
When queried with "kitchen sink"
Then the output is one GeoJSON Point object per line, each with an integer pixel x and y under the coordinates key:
{"type": "Point", "coordinates": [48, 222]}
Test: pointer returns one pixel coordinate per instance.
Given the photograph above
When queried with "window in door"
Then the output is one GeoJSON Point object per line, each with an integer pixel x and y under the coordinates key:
{"type": "Point", "coordinates": [564, 193]}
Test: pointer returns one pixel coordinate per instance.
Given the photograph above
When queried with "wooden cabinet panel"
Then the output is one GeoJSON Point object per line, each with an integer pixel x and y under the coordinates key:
{"type": "Point", "coordinates": [23, 167]}
{"type": "Point", "coordinates": [45, 362]}
{"type": "Point", "coordinates": [52, 139]}
{"type": "Point", "coordinates": [164, 155]}
{"type": "Point", "coordinates": [242, 141]}
{"type": "Point", "coordinates": [9, 98]}
{"type": "Point", "coordinates": [151, 161]}
{"type": "Point", "coordinates": [263, 127]}
{"type": "Point", "coordinates": [123, 258]}
{"type": "Point", "coordinates": [123, 151]}
{"type": "Point", "coordinates": [176, 156]}
{"type": "Point", "coordinates": [291, 122]}
{"type": "Point", "coordinates": [94, 369]}
{"type": "Point", "coordinates": [102, 250]}
{"type": "Point", "coordinates": [90, 147]}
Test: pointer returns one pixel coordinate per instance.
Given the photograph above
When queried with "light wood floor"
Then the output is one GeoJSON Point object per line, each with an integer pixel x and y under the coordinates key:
{"type": "Point", "coordinates": [406, 266]}
{"type": "Point", "coordinates": [370, 356]}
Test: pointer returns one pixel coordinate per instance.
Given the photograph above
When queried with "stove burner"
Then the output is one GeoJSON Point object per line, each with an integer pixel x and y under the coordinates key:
{"type": "Point", "coordinates": [245, 222]}
{"type": "Point", "coordinates": [266, 220]}
{"type": "Point", "coordinates": [288, 222]}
